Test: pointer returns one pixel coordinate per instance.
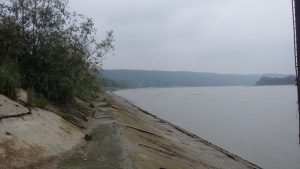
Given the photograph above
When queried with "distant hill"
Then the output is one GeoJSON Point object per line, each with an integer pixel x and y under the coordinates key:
{"type": "Point", "coordinates": [144, 78]}
{"type": "Point", "coordinates": [287, 80]}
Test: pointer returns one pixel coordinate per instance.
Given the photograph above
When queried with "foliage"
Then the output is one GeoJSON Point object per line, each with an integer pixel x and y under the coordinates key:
{"type": "Point", "coordinates": [55, 50]}
{"type": "Point", "coordinates": [88, 86]}
{"type": "Point", "coordinates": [35, 99]}
{"type": "Point", "coordinates": [9, 80]}
{"type": "Point", "coordinates": [92, 105]}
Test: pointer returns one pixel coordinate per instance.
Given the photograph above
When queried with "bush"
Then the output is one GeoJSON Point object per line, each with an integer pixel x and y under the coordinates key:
{"type": "Point", "coordinates": [9, 80]}
{"type": "Point", "coordinates": [35, 99]}
{"type": "Point", "coordinates": [88, 86]}
{"type": "Point", "coordinates": [92, 105]}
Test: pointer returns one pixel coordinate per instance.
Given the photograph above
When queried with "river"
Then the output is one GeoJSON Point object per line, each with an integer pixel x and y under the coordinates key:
{"type": "Point", "coordinates": [260, 124]}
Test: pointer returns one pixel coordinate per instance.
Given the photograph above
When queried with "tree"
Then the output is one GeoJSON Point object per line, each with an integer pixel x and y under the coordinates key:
{"type": "Point", "coordinates": [55, 50]}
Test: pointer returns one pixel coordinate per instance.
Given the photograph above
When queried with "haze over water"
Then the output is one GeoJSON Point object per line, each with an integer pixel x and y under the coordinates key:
{"type": "Point", "coordinates": [260, 124]}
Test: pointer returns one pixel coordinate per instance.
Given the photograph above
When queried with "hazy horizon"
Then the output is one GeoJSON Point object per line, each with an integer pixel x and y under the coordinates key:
{"type": "Point", "coordinates": [267, 73]}
{"type": "Point", "coordinates": [228, 37]}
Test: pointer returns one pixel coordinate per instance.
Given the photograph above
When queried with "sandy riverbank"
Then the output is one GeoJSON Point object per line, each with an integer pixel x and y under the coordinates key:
{"type": "Point", "coordinates": [124, 136]}
{"type": "Point", "coordinates": [30, 136]}
{"type": "Point", "coordinates": [120, 136]}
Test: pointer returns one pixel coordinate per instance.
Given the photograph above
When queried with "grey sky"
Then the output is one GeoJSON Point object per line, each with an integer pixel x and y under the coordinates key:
{"type": "Point", "coordinates": [222, 36]}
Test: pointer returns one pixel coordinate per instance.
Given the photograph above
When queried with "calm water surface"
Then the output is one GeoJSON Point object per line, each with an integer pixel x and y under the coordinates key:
{"type": "Point", "coordinates": [260, 124]}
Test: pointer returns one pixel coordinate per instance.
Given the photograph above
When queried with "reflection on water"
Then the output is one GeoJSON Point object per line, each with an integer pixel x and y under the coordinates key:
{"type": "Point", "coordinates": [260, 124]}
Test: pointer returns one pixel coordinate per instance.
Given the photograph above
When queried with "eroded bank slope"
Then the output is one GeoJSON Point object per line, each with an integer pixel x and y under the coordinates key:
{"type": "Point", "coordinates": [154, 143]}
{"type": "Point", "coordinates": [29, 136]}
{"type": "Point", "coordinates": [124, 136]}
{"type": "Point", "coordinates": [119, 136]}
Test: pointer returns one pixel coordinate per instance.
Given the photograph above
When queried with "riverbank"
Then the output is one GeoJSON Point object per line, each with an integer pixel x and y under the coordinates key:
{"type": "Point", "coordinates": [124, 136]}
{"type": "Point", "coordinates": [30, 136]}
{"type": "Point", "coordinates": [115, 135]}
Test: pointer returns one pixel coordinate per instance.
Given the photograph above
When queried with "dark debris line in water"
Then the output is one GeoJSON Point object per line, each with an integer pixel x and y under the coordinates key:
{"type": "Point", "coordinates": [103, 152]}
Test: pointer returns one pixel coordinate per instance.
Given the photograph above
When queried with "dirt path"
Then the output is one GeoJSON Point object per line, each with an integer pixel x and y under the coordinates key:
{"type": "Point", "coordinates": [103, 150]}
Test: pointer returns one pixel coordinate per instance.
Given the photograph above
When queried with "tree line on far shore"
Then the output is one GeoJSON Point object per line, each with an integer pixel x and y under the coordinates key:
{"type": "Point", "coordinates": [144, 78]}
{"type": "Point", "coordinates": [47, 49]}
{"type": "Point", "coordinates": [287, 80]}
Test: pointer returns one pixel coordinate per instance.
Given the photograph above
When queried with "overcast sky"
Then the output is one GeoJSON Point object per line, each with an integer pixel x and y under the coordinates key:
{"type": "Point", "coordinates": [221, 36]}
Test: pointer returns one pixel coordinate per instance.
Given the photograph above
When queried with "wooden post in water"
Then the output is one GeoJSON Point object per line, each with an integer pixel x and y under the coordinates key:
{"type": "Point", "coordinates": [296, 23]}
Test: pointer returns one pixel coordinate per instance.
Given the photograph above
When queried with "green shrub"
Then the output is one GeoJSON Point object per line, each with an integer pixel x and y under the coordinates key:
{"type": "Point", "coordinates": [68, 117]}
{"type": "Point", "coordinates": [9, 80]}
{"type": "Point", "coordinates": [35, 99]}
{"type": "Point", "coordinates": [92, 105]}
{"type": "Point", "coordinates": [88, 86]}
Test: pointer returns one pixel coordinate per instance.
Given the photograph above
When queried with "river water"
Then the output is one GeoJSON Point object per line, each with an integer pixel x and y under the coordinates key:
{"type": "Point", "coordinates": [260, 124]}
